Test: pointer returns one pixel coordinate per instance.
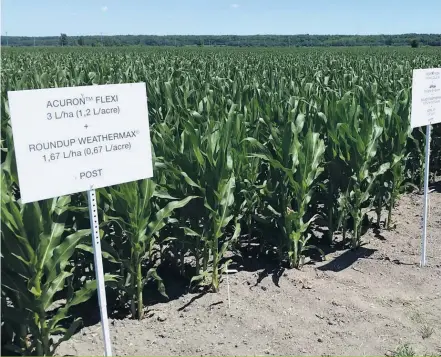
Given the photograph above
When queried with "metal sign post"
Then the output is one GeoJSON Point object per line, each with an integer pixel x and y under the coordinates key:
{"type": "Point", "coordinates": [99, 272]}
{"type": "Point", "coordinates": [426, 197]}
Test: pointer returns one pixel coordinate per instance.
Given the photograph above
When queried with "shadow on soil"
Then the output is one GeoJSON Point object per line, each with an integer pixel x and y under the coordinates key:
{"type": "Point", "coordinates": [436, 186]}
{"type": "Point", "coordinates": [176, 286]}
{"type": "Point", "coordinates": [250, 257]}
{"type": "Point", "coordinates": [377, 234]}
{"type": "Point", "coordinates": [348, 258]}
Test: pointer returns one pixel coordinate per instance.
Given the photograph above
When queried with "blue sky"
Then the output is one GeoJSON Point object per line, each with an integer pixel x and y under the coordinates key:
{"type": "Point", "coordinates": [242, 17]}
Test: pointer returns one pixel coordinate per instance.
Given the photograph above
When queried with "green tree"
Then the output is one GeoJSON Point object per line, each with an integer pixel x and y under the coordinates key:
{"type": "Point", "coordinates": [81, 41]}
{"type": "Point", "coordinates": [63, 39]}
{"type": "Point", "coordinates": [414, 43]}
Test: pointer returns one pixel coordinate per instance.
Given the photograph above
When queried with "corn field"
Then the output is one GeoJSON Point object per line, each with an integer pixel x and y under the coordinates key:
{"type": "Point", "coordinates": [274, 154]}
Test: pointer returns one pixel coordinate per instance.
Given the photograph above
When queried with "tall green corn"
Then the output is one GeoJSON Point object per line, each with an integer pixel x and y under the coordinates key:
{"type": "Point", "coordinates": [36, 249]}
{"type": "Point", "coordinates": [134, 208]}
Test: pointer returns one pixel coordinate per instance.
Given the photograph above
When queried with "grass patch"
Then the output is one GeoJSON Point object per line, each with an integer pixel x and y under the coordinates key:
{"type": "Point", "coordinates": [404, 351]}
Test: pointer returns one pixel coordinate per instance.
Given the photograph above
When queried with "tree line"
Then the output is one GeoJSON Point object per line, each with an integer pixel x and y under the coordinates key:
{"type": "Point", "coordinates": [413, 40]}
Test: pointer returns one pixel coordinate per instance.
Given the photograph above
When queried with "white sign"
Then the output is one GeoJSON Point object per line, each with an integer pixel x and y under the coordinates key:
{"type": "Point", "coordinates": [426, 97]}
{"type": "Point", "coordinates": [75, 139]}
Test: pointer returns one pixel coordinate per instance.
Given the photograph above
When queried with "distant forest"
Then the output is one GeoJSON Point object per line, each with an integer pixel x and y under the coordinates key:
{"type": "Point", "coordinates": [413, 40]}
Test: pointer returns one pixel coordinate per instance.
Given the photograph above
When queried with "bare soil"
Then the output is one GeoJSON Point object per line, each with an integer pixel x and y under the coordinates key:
{"type": "Point", "coordinates": [367, 302]}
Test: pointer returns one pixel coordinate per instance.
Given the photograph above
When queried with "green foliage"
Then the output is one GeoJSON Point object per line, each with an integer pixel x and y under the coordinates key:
{"type": "Point", "coordinates": [404, 351]}
{"type": "Point", "coordinates": [358, 139]}
{"type": "Point", "coordinates": [36, 252]}
{"type": "Point", "coordinates": [295, 160]}
{"type": "Point", "coordinates": [272, 143]}
{"type": "Point", "coordinates": [134, 208]}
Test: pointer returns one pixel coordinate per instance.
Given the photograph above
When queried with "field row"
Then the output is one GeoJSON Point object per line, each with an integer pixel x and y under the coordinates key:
{"type": "Point", "coordinates": [267, 154]}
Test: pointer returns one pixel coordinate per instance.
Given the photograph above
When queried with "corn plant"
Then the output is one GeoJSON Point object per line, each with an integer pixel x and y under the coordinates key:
{"type": "Point", "coordinates": [216, 183]}
{"type": "Point", "coordinates": [36, 249]}
{"type": "Point", "coordinates": [359, 138]}
{"type": "Point", "coordinates": [401, 131]}
{"type": "Point", "coordinates": [337, 172]}
{"type": "Point", "coordinates": [199, 159]}
{"type": "Point", "coordinates": [295, 160]}
{"type": "Point", "coordinates": [135, 208]}
{"type": "Point", "coordinates": [249, 169]}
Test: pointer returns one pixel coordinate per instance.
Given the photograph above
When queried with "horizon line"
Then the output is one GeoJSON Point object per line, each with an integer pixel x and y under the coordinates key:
{"type": "Point", "coordinates": [216, 35]}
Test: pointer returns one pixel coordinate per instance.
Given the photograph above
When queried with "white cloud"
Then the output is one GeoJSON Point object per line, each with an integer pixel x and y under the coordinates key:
{"type": "Point", "coordinates": [104, 8]}
{"type": "Point", "coordinates": [234, 6]}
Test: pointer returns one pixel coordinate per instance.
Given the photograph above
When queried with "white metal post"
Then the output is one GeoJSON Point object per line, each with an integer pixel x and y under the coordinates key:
{"type": "Point", "coordinates": [426, 196]}
{"type": "Point", "coordinates": [95, 228]}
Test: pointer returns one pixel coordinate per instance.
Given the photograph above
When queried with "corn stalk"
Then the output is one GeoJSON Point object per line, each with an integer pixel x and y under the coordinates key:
{"type": "Point", "coordinates": [36, 252]}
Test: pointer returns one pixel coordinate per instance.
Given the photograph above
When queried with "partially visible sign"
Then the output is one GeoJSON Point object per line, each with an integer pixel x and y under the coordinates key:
{"type": "Point", "coordinates": [426, 97]}
{"type": "Point", "coordinates": [75, 139]}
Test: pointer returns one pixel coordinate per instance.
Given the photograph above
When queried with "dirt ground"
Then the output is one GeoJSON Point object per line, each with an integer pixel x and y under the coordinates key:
{"type": "Point", "coordinates": [363, 303]}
